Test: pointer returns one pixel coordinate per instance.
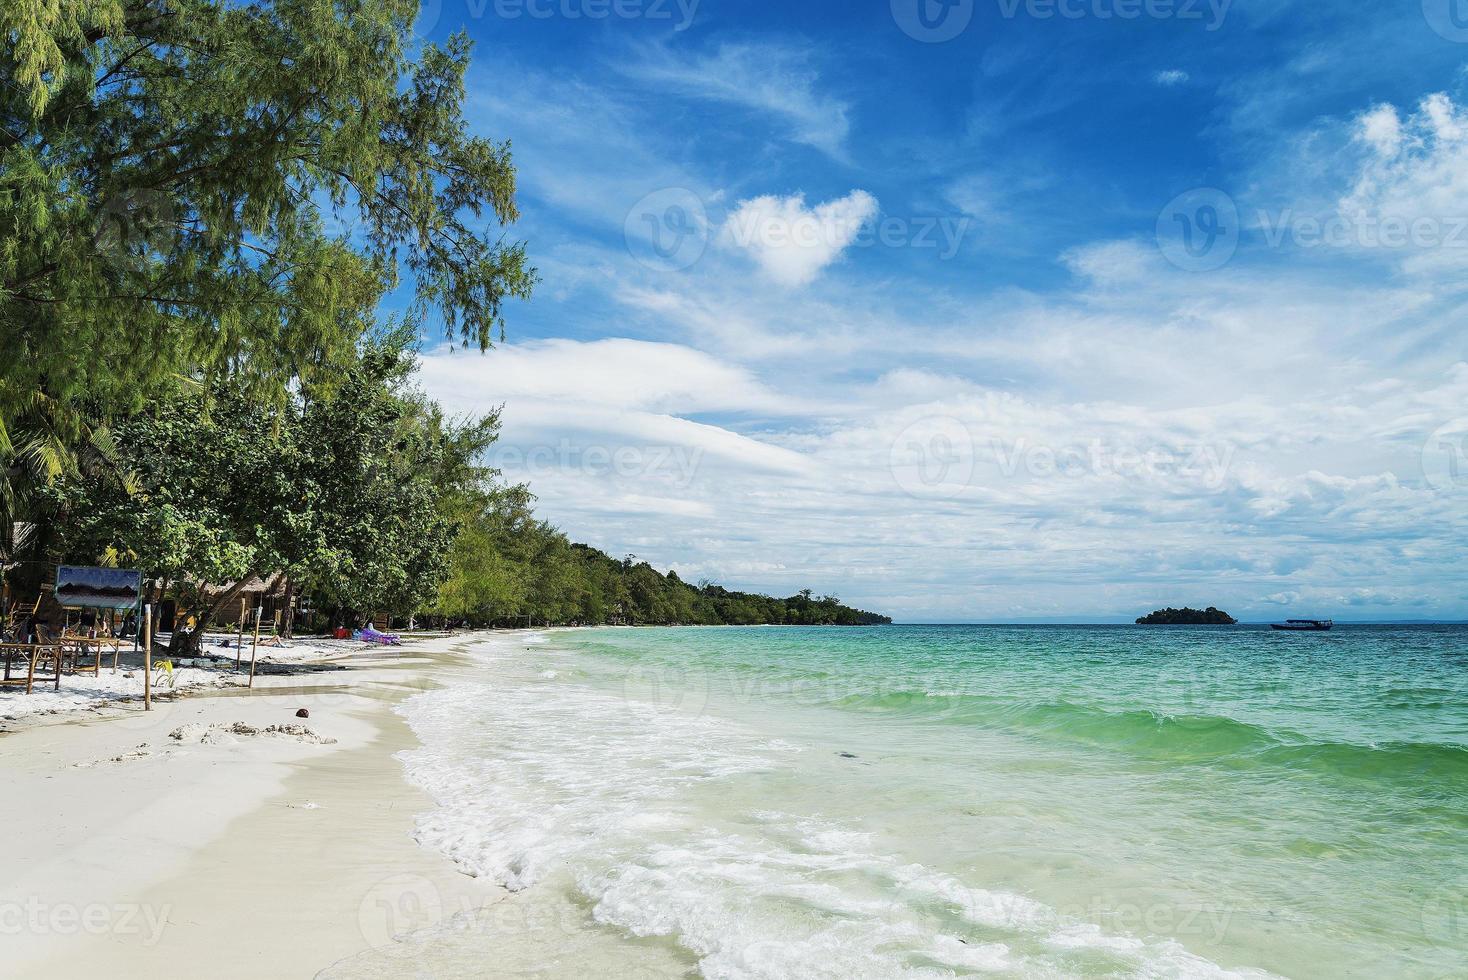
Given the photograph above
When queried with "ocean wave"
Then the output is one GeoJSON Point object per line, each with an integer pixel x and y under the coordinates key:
{"type": "Point", "coordinates": [1442, 766]}
{"type": "Point", "coordinates": [1170, 736]}
{"type": "Point", "coordinates": [655, 815]}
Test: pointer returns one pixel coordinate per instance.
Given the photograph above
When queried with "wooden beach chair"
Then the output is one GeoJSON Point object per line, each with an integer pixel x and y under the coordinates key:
{"type": "Point", "coordinates": [33, 654]}
{"type": "Point", "coordinates": [20, 613]}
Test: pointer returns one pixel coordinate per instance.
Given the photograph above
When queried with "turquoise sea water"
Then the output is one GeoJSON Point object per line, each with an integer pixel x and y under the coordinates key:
{"type": "Point", "coordinates": [1024, 801]}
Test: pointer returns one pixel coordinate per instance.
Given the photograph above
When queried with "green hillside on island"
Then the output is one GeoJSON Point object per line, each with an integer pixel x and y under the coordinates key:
{"type": "Point", "coordinates": [1187, 616]}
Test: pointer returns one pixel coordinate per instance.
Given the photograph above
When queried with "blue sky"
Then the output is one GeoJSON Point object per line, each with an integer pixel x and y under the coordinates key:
{"type": "Point", "coordinates": [1088, 308]}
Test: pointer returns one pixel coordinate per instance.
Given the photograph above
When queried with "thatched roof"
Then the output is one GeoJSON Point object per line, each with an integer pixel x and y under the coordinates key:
{"type": "Point", "coordinates": [254, 584]}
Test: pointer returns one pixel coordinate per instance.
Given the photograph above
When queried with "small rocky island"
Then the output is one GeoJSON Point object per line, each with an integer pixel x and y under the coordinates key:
{"type": "Point", "coordinates": [1187, 616]}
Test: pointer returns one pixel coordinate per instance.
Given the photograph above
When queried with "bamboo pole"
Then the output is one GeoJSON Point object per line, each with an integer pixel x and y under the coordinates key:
{"type": "Point", "coordinates": [239, 642]}
{"type": "Point", "coordinates": [148, 657]}
{"type": "Point", "coordinates": [259, 611]}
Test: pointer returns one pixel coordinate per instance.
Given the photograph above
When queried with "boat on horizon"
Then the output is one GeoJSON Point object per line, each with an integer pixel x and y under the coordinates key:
{"type": "Point", "coordinates": [1303, 625]}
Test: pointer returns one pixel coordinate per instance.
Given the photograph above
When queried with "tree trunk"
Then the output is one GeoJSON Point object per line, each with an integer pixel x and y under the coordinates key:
{"type": "Point", "coordinates": [204, 618]}
{"type": "Point", "coordinates": [288, 624]}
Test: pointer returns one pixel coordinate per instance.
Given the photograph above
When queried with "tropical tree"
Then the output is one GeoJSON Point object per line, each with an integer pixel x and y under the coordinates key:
{"type": "Point", "coordinates": [203, 188]}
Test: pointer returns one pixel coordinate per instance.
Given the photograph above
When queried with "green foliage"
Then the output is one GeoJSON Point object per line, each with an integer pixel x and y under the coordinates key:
{"type": "Point", "coordinates": [371, 474]}
{"type": "Point", "coordinates": [202, 188]}
{"type": "Point", "coordinates": [196, 472]}
{"type": "Point", "coordinates": [344, 489]}
{"type": "Point", "coordinates": [507, 567]}
{"type": "Point", "coordinates": [1187, 616]}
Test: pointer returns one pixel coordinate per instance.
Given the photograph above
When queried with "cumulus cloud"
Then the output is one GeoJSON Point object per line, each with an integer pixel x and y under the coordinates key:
{"type": "Point", "coordinates": [1170, 77]}
{"type": "Point", "coordinates": [1381, 127]}
{"type": "Point", "coordinates": [1410, 192]}
{"type": "Point", "coordinates": [792, 243]}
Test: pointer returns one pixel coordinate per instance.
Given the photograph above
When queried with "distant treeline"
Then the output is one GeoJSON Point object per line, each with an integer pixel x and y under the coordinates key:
{"type": "Point", "coordinates": [1187, 616]}
{"type": "Point", "coordinates": [507, 567]}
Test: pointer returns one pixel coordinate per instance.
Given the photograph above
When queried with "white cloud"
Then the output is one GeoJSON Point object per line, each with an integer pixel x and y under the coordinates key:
{"type": "Point", "coordinates": [773, 79]}
{"type": "Point", "coordinates": [1446, 120]}
{"type": "Point", "coordinates": [758, 445]}
{"type": "Point", "coordinates": [793, 243]}
{"type": "Point", "coordinates": [1111, 262]}
{"type": "Point", "coordinates": [1382, 128]}
{"type": "Point", "coordinates": [1170, 77]}
{"type": "Point", "coordinates": [614, 373]}
{"type": "Point", "coordinates": [1408, 201]}
{"type": "Point", "coordinates": [978, 195]}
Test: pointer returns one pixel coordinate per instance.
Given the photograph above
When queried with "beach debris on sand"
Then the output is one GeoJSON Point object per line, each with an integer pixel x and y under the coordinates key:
{"type": "Point", "coordinates": [141, 752]}
{"type": "Point", "coordinates": [228, 734]}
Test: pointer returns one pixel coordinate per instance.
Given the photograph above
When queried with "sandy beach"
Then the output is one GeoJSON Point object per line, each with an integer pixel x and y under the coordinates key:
{"type": "Point", "coordinates": [148, 844]}
{"type": "Point", "coordinates": [732, 804]}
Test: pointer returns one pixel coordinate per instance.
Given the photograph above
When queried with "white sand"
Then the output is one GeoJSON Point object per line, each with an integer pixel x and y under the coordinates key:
{"type": "Point", "coordinates": [108, 688]}
{"type": "Point", "coordinates": [228, 851]}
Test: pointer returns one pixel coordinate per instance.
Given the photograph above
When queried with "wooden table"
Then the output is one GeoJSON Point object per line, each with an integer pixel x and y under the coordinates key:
{"type": "Point", "coordinates": [76, 647]}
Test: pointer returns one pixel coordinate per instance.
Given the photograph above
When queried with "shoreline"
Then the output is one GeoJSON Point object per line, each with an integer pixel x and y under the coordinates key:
{"type": "Point", "coordinates": [258, 852]}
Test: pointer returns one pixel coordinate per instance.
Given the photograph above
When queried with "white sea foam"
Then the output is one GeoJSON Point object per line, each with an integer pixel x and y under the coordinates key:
{"type": "Point", "coordinates": [663, 819]}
